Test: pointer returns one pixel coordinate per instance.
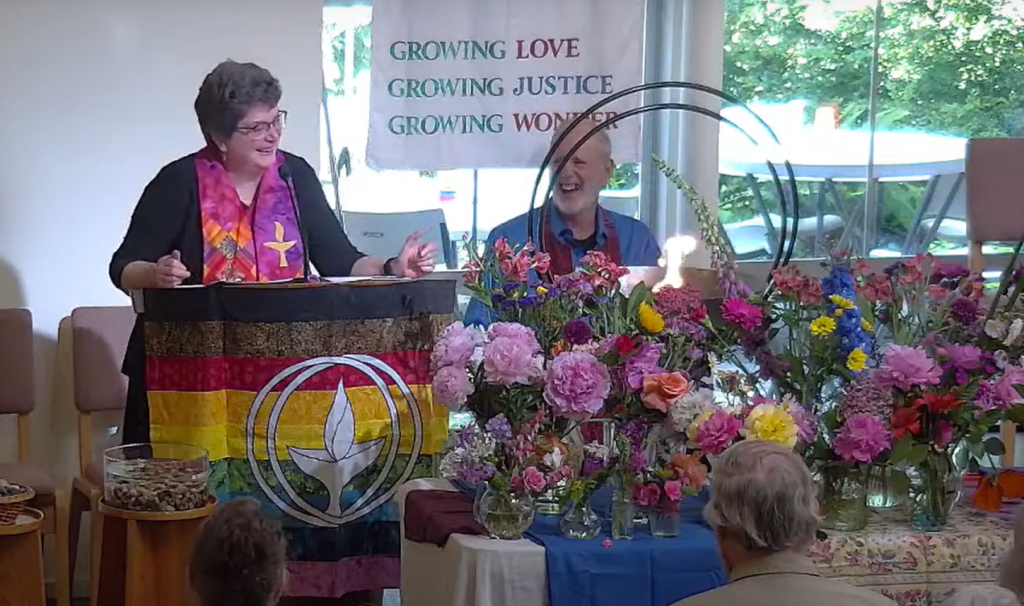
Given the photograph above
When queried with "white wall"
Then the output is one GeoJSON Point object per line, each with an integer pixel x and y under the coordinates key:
{"type": "Point", "coordinates": [95, 96]}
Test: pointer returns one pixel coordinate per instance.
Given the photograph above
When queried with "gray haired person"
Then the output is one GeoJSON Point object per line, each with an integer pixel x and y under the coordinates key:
{"type": "Point", "coordinates": [764, 512]}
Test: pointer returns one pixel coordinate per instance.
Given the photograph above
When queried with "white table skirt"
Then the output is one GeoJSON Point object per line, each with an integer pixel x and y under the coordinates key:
{"type": "Point", "coordinates": [469, 570]}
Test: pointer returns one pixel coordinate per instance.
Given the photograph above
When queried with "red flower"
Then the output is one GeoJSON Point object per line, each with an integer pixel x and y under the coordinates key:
{"type": "Point", "coordinates": [937, 404]}
{"type": "Point", "coordinates": [502, 250]}
{"type": "Point", "coordinates": [906, 420]}
{"type": "Point", "coordinates": [624, 345]}
{"type": "Point", "coordinates": [542, 263]}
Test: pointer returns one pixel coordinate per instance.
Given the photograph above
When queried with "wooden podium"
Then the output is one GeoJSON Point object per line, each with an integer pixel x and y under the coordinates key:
{"type": "Point", "coordinates": [314, 399]}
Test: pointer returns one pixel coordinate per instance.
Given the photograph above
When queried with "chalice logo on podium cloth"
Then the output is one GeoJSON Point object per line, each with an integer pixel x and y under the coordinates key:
{"type": "Point", "coordinates": [343, 456]}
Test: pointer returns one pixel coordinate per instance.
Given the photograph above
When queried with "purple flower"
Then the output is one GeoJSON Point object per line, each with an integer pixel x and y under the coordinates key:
{"type": "Point", "coordinates": [964, 310]}
{"type": "Point", "coordinates": [864, 396]}
{"type": "Point", "coordinates": [475, 472]}
{"type": "Point", "coordinates": [637, 460]}
{"type": "Point", "coordinates": [499, 428]}
{"type": "Point", "coordinates": [644, 361]}
{"type": "Point", "coordinates": [578, 332]}
{"type": "Point", "coordinates": [577, 385]}
{"type": "Point", "coordinates": [962, 359]}
{"type": "Point", "coordinates": [985, 398]}
{"type": "Point", "coordinates": [948, 271]}
{"type": "Point", "coordinates": [512, 356]}
{"type": "Point", "coordinates": [454, 346]}
{"type": "Point", "coordinates": [1005, 393]}
{"type": "Point", "coordinates": [862, 438]}
{"type": "Point", "coordinates": [451, 386]}
{"type": "Point", "coordinates": [806, 423]}
{"type": "Point", "coordinates": [907, 367]}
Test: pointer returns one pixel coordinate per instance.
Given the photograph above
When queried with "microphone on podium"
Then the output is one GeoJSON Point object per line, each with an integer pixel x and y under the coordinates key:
{"type": "Point", "coordinates": [286, 176]}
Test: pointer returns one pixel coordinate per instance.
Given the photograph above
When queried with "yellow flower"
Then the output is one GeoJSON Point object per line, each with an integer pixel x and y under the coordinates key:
{"type": "Point", "coordinates": [650, 320]}
{"type": "Point", "coordinates": [691, 431]}
{"type": "Point", "coordinates": [823, 326]}
{"type": "Point", "coordinates": [864, 324]}
{"type": "Point", "coordinates": [838, 312]}
{"type": "Point", "coordinates": [841, 302]}
{"type": "Point", "coordinates": [771, 423]}
{"type": "Point", "coordinates": [542, 291]}
{"type": "Point", "coordinates": [857, 360]}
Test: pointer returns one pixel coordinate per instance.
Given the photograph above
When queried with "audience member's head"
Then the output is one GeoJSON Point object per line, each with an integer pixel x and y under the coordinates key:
{"type": "Point", "coordinates": [1011, 573]}
{"type": "Point", "coordinates": [239, 558]}
{"type": "Point", "coordinates": [763, 501]}
{"type": "Point", "coordinates": [586, 173]}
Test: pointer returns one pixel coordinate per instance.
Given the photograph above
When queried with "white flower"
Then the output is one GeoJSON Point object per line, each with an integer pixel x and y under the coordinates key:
{"type": "Point", "coordinates": [1001, 359]}
{"type": "Point", "coordinates": [995, 329]}
{"type": "Point", "coordinates": [596, 451]}
{"type": "Point", "coordinates": [554, 459]}
{"type": "Point", "coordinates": [1014, 333]}
{"type": "Point", "coordinates": [689, 407]}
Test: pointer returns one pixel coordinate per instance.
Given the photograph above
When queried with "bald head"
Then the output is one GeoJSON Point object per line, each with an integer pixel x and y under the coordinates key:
{"type": "Point", "coordinates": [586, 173]}
{"type": "Point", "coordinates": [763, 498]}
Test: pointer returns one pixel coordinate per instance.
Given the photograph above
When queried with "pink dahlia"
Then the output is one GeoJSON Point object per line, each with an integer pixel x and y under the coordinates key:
{"type": "Point", "coordinates": [862, 438]}
{"type": "Point", "coordinates": [577, 385]}
{"type": "Point", "coordinates": [907, 367]}
{"type": "Point", "coordinates": [742, 313]}
{"type": "Point", "coordinates": [717, 432]}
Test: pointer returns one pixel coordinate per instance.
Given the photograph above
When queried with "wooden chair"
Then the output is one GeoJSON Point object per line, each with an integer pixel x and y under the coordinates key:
{"type": "Point", "coordinates": [17, 397]}
{"type": "Point", "coordinates": [995, 213]}
{"type": "Point", "coordinates": [99, 339]}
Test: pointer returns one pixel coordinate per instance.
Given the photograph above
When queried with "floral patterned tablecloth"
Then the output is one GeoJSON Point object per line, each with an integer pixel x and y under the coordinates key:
{"type": "Point", "coordinates": [916, 568]}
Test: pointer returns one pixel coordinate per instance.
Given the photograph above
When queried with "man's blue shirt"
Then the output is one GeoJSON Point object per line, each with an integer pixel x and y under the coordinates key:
{"type": "Point", "coordinates": [637, 246]}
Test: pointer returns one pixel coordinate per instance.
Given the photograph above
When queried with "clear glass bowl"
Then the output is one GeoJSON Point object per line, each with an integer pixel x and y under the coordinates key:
{"type": "Point", "coordinates": [156, 477]}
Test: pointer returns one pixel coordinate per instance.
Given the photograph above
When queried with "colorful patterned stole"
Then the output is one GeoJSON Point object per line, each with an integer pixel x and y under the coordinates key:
{"type": "Point", "coordinates": [561, 252]}
{"type": "Point", "coordinates": [256, 243]}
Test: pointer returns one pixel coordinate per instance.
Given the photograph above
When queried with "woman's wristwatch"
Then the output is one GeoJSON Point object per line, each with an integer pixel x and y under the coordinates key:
{"type": "Point", "coordinates": [389, 267]}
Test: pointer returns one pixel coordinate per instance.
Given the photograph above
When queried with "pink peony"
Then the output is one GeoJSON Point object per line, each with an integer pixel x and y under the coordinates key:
{"type": "Point", "coordinates": [515, 332]}
{"type": "Point", "coordinates": [534, 479]}
{"type": "Point", "coordinates": [740, 312]}
{"type": "Point", "coordinates": [967, 357]}
{"type": "Point", "coordinates": [1004, 391]}
{"type": "Point", "coordinates": [717, 432]}
{"type": "Point", "coordinates": [511, 361]}
{"type": "Point", "coordinates": [451, 386]}
{"type": "Point", "coordinates": [674, 490]}
{"type": "Point", "coordinates": [862, 438]}
{"type": "Point", "coordinates": [577, 385]}
{"type": "Point", "coordinates": [907, 367]}
{"type": "Point", "coordinates": [454, 347]}
{"type": "Point", "coordinates": [642, 362]}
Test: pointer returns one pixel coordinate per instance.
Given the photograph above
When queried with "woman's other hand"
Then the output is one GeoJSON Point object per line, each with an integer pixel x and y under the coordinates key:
{"type": "Point", "coordinates": [416, 259]}
{"type": "Point", "coordinates": [169, 271]}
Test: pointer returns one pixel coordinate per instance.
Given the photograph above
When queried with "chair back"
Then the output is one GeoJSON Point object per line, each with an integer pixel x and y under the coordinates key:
{"type": "Point", "coordinates": [995, 204]}
{"type": "Point", "coordinates": [17, 365]}
{"type": "Point", "coordinates": [99, 339]}
{"type": "Point", "coordinates": [383, 234]}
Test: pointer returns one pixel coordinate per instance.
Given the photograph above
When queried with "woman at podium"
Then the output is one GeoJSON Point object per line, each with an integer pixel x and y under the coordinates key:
{"type": "Point", "coordinates": [238, 210]}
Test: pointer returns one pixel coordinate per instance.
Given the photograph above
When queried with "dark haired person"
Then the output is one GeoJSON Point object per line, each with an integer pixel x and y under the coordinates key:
{"type": "Point", "coordinates": [225, 213]}
{"type": "Point", "coordinates": [239, 558]}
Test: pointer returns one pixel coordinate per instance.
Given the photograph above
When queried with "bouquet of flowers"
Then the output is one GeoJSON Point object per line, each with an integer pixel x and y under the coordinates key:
{"type": "Point", "coordinates": [717, 428]}
{"type": "Point", "coordinates": [662, 487]}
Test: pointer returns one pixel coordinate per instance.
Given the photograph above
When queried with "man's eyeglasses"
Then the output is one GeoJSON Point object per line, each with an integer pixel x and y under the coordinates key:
{"type": "Point", "coordinates": [260, 129]}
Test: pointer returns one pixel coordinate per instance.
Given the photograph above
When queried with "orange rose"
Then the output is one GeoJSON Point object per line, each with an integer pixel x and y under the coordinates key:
{"type": "Point", "coordinates": [662, 391]}
{"type": "Point", "coordinates": [689, 470]}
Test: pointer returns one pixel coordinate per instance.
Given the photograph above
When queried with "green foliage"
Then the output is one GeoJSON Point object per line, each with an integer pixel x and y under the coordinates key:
{"type": "Point", "coordinates": [361, 59]}
{"type": "Point", "coordinates": [946, 66]}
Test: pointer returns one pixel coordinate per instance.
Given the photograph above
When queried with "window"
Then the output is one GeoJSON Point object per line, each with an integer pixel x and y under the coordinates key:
{"type": "Point", "coordinates": [946, 71]}
{"type": "Point", "coordinates": [501, 193]}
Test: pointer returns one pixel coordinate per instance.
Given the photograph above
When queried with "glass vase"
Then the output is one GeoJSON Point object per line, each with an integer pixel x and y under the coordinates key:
{"type": "Point", "coordinates": [623, 514]}
{"type": "Point", "coordinates": [934, 488]}
{"type": "Point", "coordinates": [663, 519]}
{"type": "Point", "coordinates": [580, 521]}
{"type": "Point", "coordinates": [883, 487]}
{"type": "Point", "coordinates": [505, 513]}
{"type": "Point", "coordinates": [843, 498]}
{"type": "Point", "coordinates": [551, 501]}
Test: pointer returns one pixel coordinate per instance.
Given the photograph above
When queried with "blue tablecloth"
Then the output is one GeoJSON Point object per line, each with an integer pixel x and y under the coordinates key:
{"type": "Point", "coordinates": [642, 571]}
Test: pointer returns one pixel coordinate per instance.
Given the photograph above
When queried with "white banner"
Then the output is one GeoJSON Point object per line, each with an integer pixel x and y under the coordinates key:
{"type": "Point", "coordinates": [484, 83]}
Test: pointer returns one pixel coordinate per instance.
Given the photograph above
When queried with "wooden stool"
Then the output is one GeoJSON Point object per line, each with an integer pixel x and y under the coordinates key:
{"type": "Point", "coordinates": [146, 554]}
{"type": "Point", "coordinates": [21, 560]}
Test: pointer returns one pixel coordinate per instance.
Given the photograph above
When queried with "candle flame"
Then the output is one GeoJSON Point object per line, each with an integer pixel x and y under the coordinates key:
{"type": "Point", "coordinates": [676, 249]}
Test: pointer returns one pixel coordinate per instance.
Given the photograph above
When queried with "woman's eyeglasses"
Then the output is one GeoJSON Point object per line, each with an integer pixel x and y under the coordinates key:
{"type": "Point", "coordinates": [259, 129]}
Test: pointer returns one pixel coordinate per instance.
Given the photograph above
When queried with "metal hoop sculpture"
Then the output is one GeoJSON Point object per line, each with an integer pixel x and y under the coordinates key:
{"type": "Point", "coordinates": [787, 239]}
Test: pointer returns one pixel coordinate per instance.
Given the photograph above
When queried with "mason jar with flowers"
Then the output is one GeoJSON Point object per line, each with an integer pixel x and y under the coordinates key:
{"type": "Point", "coordinates": [663, 488]}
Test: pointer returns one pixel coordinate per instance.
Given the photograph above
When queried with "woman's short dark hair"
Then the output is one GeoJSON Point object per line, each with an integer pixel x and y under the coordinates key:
{"type": "Point", "coordinates": [239, 557]}
{"type": "Point", "coordinates": [229, 92]}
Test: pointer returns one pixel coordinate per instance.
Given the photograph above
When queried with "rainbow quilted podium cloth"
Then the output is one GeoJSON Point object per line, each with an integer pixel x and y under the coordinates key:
{"type": "Point", "coordinates": [917, 568]}
{"type": "Point", "coordinates": [314, 400]}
